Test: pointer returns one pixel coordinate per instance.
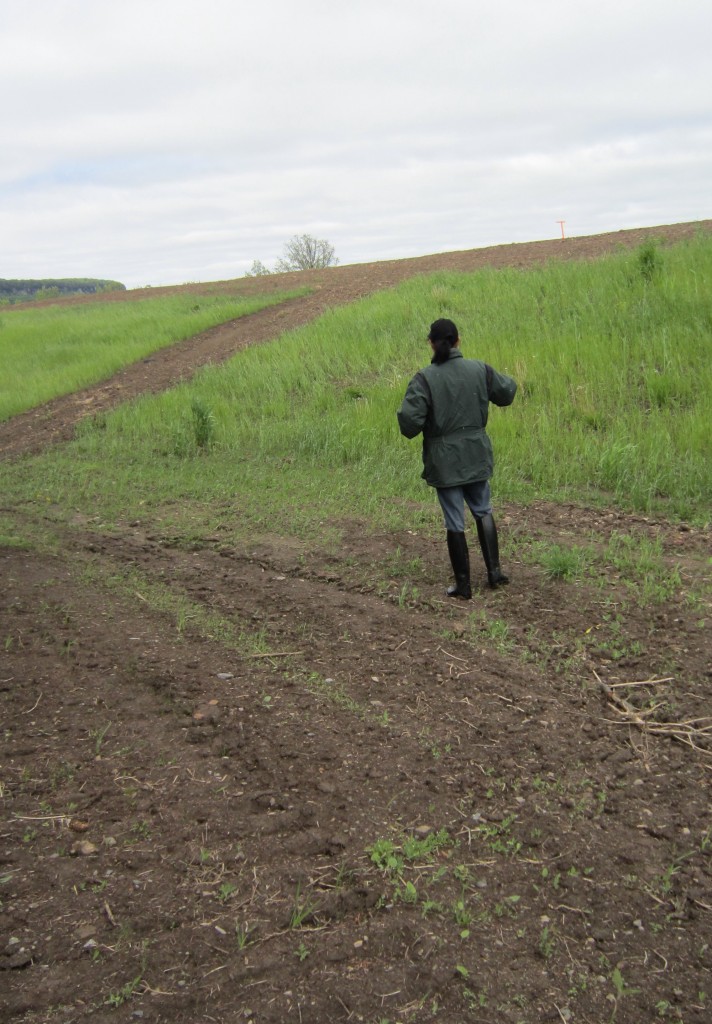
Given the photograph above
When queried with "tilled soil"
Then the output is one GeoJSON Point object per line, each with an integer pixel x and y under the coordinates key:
{"type": "Point", "coordinates": [367, 802]}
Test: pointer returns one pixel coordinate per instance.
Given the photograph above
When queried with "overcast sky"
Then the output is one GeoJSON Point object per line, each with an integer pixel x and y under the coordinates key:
{"type": "Point", "coordinates": [156, 142]}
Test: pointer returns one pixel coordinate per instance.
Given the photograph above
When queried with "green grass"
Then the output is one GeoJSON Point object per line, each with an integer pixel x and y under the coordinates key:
{"type": "Point", "coordinates": [55, 350]}
{"type": "Point", "coordinates": [614, 406]}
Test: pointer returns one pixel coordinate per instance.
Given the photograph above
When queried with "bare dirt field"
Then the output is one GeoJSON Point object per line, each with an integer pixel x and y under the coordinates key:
{"type": "Point", "coordinates": [393, 808]}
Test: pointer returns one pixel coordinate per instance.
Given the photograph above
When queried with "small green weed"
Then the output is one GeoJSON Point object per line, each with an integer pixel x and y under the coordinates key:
{"type": "Point", "coordinates": [98, 736]}
{"type": "Point", "coordinates": [494, 630]}
{"type": "Point", "coordinates": [242, 935]}
{"type": "Point", "coordinates": [621, 987]}
{"type": "Point", "coordinates": [386, 856]}
{"type": "Point", "coordinates": [507, 906]}
{"type": "Point", "coordinates": [118, 998]}
{"type": "Point", "coordinates": [475, 1000]}
{"type": "Point", "coordinates": [463, 916]}
{"type": "Point", "coordinates": [425, 849]}
{"type": "Point", "coordinates": [408, 595]}
{"type": "Point", "coordinates": [407, 893]}
{"type": "Point", "coordinates": [226, 890]}
{"type": "Point", "coordinates": [203, 420]}
{"type": "Point", "coordinates": [498, 836]}
{"type": "Point", "coordinates": [391, 857]}
{"type": "Point", "coordinates": [649, 260]}
{"type": "Point", "coordinates": [302, 911]}
{"type": "Point", "coordinates": [141, 830]}
{"type": "Point", "coordinates": [546, 946]}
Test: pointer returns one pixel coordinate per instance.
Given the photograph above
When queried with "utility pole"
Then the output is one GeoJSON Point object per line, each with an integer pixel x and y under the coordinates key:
{"type": "Point", "coordinates": [561, 224]}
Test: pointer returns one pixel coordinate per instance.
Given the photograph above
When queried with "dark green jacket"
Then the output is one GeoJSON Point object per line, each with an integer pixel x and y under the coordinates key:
{"type": "Point", "coordinates": [449, 403]}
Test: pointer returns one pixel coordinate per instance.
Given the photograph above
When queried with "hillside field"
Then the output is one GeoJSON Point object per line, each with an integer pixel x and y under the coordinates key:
{"type": "Point", "coordinates": [256, 767]}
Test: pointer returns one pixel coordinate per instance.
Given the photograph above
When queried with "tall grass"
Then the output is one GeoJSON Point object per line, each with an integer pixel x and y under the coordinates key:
{"type": "Point", "coordinates": [55, 350]}
{"type": "Point", "coordinates": [614, 404]}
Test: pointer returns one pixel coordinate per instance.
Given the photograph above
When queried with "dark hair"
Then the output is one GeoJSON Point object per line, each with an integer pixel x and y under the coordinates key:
{"type": "Point", "coordinates": [443, 334]}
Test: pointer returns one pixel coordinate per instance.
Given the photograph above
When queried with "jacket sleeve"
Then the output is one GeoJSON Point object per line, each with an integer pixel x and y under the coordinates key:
{"type": "Point", "coordinates": [501, 389]}
{"type": "Point", "coordinates": [415, 406]}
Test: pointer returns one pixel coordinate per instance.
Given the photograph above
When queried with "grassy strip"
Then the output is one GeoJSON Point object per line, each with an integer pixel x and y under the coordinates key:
{"type": "Point", "coordinates": [187, 615]}
{"type": "Point", "coordinates": [614, 405]}
{"type": "Point", "coordinates": [55, 350]}
{"type": "Point", "coordinates": [639, 562]}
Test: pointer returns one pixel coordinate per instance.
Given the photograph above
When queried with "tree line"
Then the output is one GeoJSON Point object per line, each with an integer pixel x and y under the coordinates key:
{"type": "Point", "coordinates": [52, 288]}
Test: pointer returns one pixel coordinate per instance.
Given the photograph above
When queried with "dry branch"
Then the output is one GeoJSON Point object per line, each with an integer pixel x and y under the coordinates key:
{"type": "Point", "coordinates": [689, 732]}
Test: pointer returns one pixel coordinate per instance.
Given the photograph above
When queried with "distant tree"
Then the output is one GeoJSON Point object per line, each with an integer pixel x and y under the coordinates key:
{"type": "Point", "coordinates": [258, 269]}
{"type": "Point", "coordinates": [302, 252]}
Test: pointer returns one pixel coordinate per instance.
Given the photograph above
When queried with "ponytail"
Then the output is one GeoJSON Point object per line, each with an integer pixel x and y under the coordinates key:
{"type": "Point", "coordinates": [443, 335]}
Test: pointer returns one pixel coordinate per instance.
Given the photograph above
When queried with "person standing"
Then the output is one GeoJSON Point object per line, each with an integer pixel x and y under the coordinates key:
{"type": "Point", "coordinates": [448, 402]}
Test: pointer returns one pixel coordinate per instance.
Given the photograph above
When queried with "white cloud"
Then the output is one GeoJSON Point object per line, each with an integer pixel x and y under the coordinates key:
{"type": "Point", "coordinates": [158, 142]}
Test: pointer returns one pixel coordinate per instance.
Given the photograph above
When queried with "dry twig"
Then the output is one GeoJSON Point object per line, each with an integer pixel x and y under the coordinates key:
{"type": "Point", "coordinates": [277, 654]}
{"type": "Point", "coordinates": [690, 732]}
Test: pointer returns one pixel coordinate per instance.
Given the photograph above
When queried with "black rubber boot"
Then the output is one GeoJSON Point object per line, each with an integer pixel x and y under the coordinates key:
{"type": "Point", "coordinates": [460, 559]}
{"type": "Point", "coordinates": [487, 534]}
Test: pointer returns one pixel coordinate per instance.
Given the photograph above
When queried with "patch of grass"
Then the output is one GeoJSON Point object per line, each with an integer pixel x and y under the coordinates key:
{"type": "Point", "coordinates": [14, 540]}
{"type": "Point", "coordinates": [564, 563]}
{"type": "Point", "coordinates": [54, 350]}
{"type": "Point", "coordinates": [641, 563]}
{"type": "Point", "coordinates": [638, 561]}
{"type": "Point", "coordinates": [399, 566]}
{"type": "Point", "coordinates": [187, 614]}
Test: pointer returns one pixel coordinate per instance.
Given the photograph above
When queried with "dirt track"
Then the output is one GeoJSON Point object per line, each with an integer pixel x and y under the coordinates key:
{"type": "Point", "coordinates": [550, 855]}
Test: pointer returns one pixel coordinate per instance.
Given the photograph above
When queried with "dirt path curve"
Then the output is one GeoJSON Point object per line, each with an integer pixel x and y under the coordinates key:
{"type": "Point", "coordinates": [335, 286]}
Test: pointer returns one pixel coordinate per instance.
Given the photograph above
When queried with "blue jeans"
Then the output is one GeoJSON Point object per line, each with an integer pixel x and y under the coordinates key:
{"type": "Point", "coordinates": [452, 502]}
